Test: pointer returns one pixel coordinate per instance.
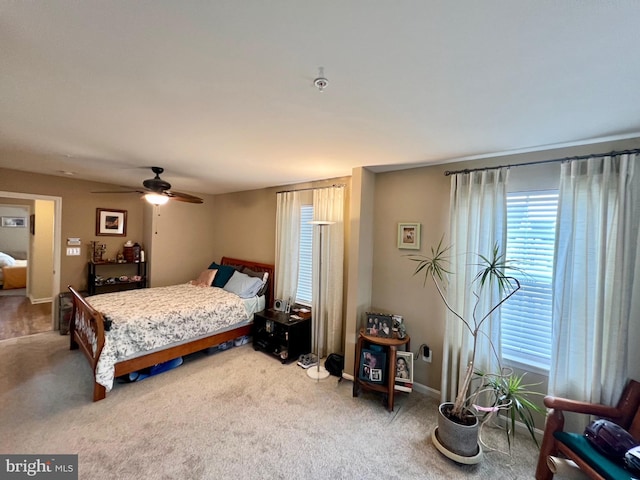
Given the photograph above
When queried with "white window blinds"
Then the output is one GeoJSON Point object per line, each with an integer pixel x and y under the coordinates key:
{"type": "Point", "coordinates": [526, 317]}
{"type": "Point", "coordinates": [305, 259]}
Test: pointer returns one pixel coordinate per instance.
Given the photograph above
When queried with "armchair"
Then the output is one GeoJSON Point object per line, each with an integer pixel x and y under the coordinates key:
{"type": "Point", "coordinates": [574, 446]}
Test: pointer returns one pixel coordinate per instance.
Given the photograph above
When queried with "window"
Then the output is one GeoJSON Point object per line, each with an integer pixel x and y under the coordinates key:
{"type": "Point", "coordinates": [526, 317]}
{"type": "Point", "coordinates": [305, 260]}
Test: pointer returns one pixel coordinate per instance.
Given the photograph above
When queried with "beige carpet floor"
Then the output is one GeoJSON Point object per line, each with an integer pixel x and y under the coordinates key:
{"type": "Point", "coordinates": [233, 414]}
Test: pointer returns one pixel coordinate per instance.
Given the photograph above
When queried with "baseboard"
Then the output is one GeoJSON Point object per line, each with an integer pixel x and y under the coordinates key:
{"type": "Point", "coordinates": [418, 387]}
{"type": "Point", "coordinates": [40, 300]}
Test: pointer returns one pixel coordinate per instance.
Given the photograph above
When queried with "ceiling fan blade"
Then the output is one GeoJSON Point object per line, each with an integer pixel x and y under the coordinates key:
{"type": "Point", "coordinates": [120, 191]}
{"type": "Point", "coordinates": [183, 197]}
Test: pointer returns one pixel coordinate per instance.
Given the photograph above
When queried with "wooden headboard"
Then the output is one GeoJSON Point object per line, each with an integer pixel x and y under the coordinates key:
{"type": "Point", "coordinates": [256, 267]}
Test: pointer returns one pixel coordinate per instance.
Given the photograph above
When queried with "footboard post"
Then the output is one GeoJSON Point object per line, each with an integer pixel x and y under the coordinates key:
{"type": "Point", "coordinates": [99, 392]}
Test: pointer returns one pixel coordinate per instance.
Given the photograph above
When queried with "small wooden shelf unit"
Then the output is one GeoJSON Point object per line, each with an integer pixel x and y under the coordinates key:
{"type": "Point", "coordinates": [115, 270]}
{"type": "Point", "coordinates": [391, 346]}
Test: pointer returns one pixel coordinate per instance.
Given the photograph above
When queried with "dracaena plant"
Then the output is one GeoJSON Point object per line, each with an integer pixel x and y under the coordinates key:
{"type": "Point", "coordinates": [493, 271]}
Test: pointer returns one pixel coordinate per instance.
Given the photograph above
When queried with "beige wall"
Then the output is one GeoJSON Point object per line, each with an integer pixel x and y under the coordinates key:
{"type": "Point", "coordinates": [246, 221]}
{"type": "Point", "coordinates": [14, 239]}
{"type": "Point", "coordinates": [78, 215]}
{"type": "Point", "coordinates": [180, 241]}
{"type": "Point", "coordinates": [360, 260]}
{"type": "Point", "coordinates": [422, 195]}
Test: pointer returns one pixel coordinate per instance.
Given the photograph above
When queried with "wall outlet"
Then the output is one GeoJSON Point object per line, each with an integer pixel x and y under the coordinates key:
{"type": "Point", "coordinates": [426, 353]}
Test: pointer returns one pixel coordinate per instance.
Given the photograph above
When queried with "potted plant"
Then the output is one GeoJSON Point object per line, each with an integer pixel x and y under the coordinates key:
{"type": "Point", "coordinates": [480, 395]}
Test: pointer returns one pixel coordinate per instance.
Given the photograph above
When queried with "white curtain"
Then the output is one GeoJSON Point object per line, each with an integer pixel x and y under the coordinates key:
{"type": "Point", "coordinates": [328, 204]}
{"type": "Point", "coordinates": [593, 288]}
{"type": "Point", "coordinates": [287, 244]}
{"type": "Point", "coordinates": [478, 221]}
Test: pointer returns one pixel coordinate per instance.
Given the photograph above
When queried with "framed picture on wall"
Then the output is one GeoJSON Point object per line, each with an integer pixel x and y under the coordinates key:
{"type": "Point", "coordinates": [14, 222]}
{"type": "Point", "coordinates": [111, 222]}
{"type": "Point", "coordinates": [409, 236]}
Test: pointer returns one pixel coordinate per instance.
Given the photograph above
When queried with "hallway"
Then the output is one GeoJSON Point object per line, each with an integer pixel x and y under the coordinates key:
{"type": "Point", "coordinates": [18, 317]}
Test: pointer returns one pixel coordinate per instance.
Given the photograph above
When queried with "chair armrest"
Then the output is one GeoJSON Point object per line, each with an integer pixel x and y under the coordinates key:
{"type": "Point", "coordinates": [567, 405]}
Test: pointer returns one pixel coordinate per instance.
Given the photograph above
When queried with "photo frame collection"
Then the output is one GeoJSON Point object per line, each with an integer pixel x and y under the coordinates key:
{"type": "Point", "coordinates": [372, 365]}
{"type": "Point", "coordinates": [379, 325]}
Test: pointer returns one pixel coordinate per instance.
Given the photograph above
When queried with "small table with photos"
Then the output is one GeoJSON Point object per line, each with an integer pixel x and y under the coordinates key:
{"type": "Point", "coordinates": [374, 371]}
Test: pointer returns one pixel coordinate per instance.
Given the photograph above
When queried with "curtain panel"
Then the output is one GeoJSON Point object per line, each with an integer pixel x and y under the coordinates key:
{"type": "Point", "coordinates": [478, 221]}
{"type": "Point", "coordinates": [287, 244]}
{"type": "Point", "coordinates": [328, 204]}
{"type": "Point", "coordinates": [594, 287]}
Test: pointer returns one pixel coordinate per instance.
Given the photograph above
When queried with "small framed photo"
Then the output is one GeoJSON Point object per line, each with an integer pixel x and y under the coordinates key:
{"type": "Point", "coordinates": [14, 222]}
{"type": "Point", "coordinates": [372, 366]}
{"type": "Point", "coordinates": [409, 236]}
{"type": "Point", "coordinates": [404, 372]}
{"type": "Point", "coordinates": [111, 223]}
{"type": "Point", "coordinates": [379, 325]}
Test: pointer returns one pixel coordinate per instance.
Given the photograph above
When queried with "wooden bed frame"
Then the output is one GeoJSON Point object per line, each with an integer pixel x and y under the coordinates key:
{"type": "Point", "coordinates": [87, 324]}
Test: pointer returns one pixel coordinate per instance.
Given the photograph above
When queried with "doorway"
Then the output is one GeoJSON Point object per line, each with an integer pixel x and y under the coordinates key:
{"type": "Point", "coordinates": [36, 311]}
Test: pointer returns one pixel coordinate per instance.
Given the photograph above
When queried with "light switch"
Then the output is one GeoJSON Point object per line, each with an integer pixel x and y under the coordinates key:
{"type": "Point", "coordinates": [73, 251]}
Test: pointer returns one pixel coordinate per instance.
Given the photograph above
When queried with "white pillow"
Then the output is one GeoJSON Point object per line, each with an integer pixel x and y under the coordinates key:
{"type": "Point", "coordinates": [6, 260]}
{"type": "Point", "coordinates": [243, 285]}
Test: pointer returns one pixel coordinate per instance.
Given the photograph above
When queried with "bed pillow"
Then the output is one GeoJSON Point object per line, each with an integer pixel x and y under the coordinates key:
{"type": "Point", "coordinates": [6, 260]}
{"type": "Point", "coordinates": [223, 275]}
{"type": "Point", "coordinates": [262, 275]}
{"type": "Point", "coordinates": [205, 279]}
{"type": "Point", "coordinates": [243, 285]}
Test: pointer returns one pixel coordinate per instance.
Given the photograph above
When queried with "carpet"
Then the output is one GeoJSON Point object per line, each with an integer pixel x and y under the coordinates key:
{"type": "Point", "coordinates": [233, 414]}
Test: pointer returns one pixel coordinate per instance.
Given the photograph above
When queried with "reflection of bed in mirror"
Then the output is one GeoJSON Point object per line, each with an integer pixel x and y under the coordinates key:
{"type": "Point", "coordinates": [128, 331]}
{"type": "Point", "coordinates": [13, 270]}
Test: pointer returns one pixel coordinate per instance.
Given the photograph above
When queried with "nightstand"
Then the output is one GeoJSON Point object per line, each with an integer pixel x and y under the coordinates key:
{"type": "Point", "coordinates": [277, 333]}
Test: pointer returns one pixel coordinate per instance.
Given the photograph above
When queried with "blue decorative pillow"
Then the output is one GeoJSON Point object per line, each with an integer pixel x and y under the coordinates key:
{"type": "Point", "coordinates": [224, 274]}
{"type": "Point", "coordinates": [243, 285]}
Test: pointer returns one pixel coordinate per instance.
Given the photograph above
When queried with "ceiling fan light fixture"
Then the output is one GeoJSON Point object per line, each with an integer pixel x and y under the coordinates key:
{"type": "Point", "coordinates": [156, 198]}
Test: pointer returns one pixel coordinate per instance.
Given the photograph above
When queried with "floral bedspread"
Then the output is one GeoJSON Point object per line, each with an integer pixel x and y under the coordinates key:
{"type": "Point", "coordinates": [151, 318]}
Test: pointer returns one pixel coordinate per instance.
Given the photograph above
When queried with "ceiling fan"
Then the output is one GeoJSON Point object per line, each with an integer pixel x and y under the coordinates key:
{"type": "Point", "coordinates": [158, 191]}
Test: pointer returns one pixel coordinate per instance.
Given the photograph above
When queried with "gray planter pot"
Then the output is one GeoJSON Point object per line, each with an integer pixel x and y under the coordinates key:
{"type": "Point", "coordinates": [460, 440]}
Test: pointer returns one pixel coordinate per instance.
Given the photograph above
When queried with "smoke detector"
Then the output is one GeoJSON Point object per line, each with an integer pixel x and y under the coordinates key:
{"type": "Point", "coordinates": [321, 82]}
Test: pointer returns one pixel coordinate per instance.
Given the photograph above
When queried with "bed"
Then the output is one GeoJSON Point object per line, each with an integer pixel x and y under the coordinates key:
{"type": "Point", "coordinates": [13, 270]}
{"type": "Point", "coordinates": [116, 344]}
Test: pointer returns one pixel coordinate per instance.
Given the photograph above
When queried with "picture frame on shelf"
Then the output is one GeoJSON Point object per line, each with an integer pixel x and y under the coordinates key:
{"type": "Point", "coordinates": [379, 325]}
{"type": "Point", "coordinates": [111, 222]}
{"type": "Point", "coordinates": [372, 366]}
{"type": "Point", "coordinates": [403, 372]}
{"type": "Point", "coordinates": [409, 236]}
{"type": "Point", "coordinates": [14, 222]}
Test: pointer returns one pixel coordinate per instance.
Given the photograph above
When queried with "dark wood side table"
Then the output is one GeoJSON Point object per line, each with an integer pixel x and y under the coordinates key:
{"type": "Point", "coordinates": [389, 344]}
{"type": "Point", "coordinates": [277, 333]}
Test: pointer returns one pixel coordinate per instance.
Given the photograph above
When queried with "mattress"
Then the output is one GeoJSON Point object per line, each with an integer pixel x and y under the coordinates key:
{"type": "Point", "coordinates": [150, 319]}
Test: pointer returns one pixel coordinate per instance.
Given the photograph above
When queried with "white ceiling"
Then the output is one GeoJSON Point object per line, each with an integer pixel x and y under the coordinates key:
{"type": "Point", "coordinates": [220, 93]}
